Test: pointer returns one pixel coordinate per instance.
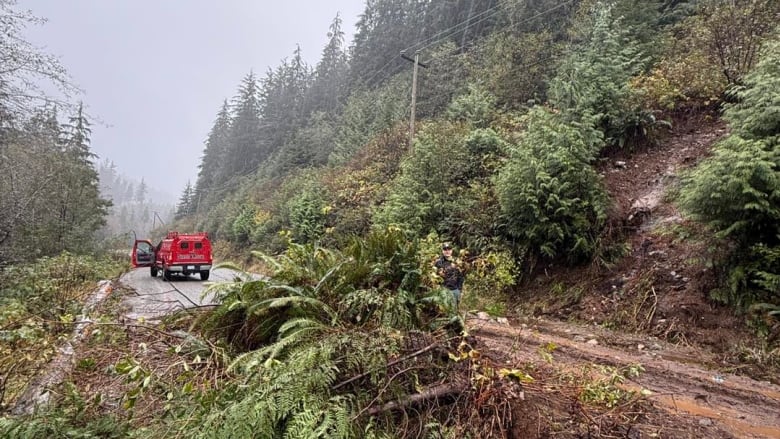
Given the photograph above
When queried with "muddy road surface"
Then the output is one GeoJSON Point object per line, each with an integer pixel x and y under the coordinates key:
{"type": "Point", "coordinates": [680, 380]}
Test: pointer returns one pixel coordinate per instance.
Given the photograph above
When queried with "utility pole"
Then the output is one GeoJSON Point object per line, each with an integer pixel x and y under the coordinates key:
{"type": "Point", "coordinates": [416, 62]}
{"type": "Point", "coordinates": [157, 217]}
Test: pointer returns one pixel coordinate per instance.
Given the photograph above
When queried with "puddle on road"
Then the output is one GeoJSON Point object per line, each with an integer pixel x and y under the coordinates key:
{"type": "Point", "coordinates": [726, 417]}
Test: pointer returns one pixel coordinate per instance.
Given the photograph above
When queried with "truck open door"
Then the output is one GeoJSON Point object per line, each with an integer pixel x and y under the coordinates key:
{"type": "Point", "coordinates": [143, 253]}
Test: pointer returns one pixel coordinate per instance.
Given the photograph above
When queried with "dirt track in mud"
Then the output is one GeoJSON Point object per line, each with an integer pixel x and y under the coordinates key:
{"type": "Point", "coordinates": [722, 404]}
{"type": "Point", "coordinates": [690, 381]}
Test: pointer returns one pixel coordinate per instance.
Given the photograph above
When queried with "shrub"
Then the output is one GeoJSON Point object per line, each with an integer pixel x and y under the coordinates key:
{"type": "Point", "coordinates": [308, 211]}
{"type": "Point", "coordinates": [475, 107]}
{"type": "Point", "coordinates": [429, 180]}
{"type": "Point", "coordinates": [244, 224]}
{"type": "Point", "coordinates": [737, 190]}
{"type": "Point", "coordinates": [732, 33]}
{"type": "Point", "coordinates": [489, 276]}
{"type": "Point", "coordinates": [305, 317]}
{"type": "Point", "coordinates": [551, 198]}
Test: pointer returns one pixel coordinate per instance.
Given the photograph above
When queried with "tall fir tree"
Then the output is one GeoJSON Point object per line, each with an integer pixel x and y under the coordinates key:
{"type": "Point", "coordinates": [214, 153]}
{"type": "Point", "coordinates": [80, 208]}
{"type": "Point", "coordinates": [244, 150]}
{"type": "Point", "coordinates": [141, 191]}
{"type": "Point", "coordinates": [329, 85]}
{"type": "Point", "coordinates": [185, 206]}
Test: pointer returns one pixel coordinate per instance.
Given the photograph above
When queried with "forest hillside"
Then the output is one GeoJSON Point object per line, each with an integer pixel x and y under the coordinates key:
{"type": "Point", "coordinates": [607, 173]}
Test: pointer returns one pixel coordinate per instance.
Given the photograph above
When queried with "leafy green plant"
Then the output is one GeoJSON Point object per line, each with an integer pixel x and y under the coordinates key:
{"type": "Point", "coordinates": [551, 199]}
{"type": "Point", "coordinates": [308, 211]}
{"type": "Point", "coordinates": [136, 374]}
{"type": "Point", "coordinates": [74, 417]}
{"type": "Point", "coordinates": [487, 281]}
{"type": "Point", "coordinates": [604, 385]}
{"type": "Point", "coordinates": [736, 191]}
{"type": "Point", "coordinates": [303, 318]}
{"type": "Point", "coordinates": [243, 224]}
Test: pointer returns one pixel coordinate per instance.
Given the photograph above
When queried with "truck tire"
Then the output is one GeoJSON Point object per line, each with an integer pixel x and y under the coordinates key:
{"type": "Point", "coordinates": [166, 275]}
{"type": "Point", "coordinates": [204, 275]}
{"type": "Point", "coordinates": [153, 271]}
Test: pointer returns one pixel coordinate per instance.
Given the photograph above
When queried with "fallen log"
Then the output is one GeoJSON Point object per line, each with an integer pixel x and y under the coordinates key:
{"type": "Point", "coordinates": [434, 392]}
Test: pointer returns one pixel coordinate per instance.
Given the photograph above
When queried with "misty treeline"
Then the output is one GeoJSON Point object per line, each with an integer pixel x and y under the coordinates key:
{"type": "Point", "coordinates": [49, 195]}
{"type": "Point", "coordinates": [136, 207]}
{"type": "Point", "coordinates": [519, 99]}
{"type": "Point", "coordinates": [54, 196]}
{"type": "Point", "coordinates": [50, 200]}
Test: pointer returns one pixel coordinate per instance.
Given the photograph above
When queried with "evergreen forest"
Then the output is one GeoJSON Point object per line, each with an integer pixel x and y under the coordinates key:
{"type": "Point", "coordinates": [497, 126]}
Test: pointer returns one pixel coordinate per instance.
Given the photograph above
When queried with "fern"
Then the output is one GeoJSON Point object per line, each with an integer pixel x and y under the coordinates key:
{"type": "Point", "coordinates": [296, 332]}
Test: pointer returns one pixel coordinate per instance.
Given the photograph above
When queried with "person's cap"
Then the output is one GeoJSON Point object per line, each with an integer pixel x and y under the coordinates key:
{"type": "Point", "coordinates": [446, 246]}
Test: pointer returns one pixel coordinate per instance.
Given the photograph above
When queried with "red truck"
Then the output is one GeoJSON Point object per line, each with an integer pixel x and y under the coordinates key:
{"type": "Point", "coordinates": [177, 253]}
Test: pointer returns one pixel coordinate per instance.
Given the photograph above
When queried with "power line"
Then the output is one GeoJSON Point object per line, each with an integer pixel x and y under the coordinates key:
{"type": "Point", "coordinates": [466, 22]}
{"type": "Point", "coordinates": [379, 70]}
{"type": "Point", "coordinates": [492, 11]}
{"type": "Point", "coordinates": [428, 42]}
{"type": "Point", "coordinates": [504, 28]}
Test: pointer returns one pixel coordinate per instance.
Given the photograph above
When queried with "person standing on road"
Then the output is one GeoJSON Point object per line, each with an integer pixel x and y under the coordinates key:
{"type": "Point", "coordinates": [447, 267]}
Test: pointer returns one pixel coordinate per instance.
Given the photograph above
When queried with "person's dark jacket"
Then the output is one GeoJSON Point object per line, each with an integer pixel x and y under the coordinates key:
{"type": "Point", "coordinates": [453, 277]}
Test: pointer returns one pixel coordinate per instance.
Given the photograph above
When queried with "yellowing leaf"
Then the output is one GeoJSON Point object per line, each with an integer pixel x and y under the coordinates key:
{"type": "Point", "coordinates": [517, 374]}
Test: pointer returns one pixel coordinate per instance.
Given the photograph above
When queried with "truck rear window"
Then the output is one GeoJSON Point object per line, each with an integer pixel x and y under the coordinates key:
{"type": "Point", "coordinates": [198, 245]}
{"type": "Point", "coordinates": [185, 245]}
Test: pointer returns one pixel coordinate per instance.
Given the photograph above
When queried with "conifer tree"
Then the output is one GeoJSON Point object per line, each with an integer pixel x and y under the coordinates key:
{"type": "Point", "coordinates": [736, 191]}
{"type": "Point", "coordinates": [81, 210]}
{"type": "Point", "coordinates": [213, 159]}
{"type": "Point", "coordinates": [329, 83]}
{"type": "Point", "coordinates": [185, 206]}
{"type": "Point", "coordinates": [284, 93]}
{"type": "Point", "coordinates": [141, 192]}
{"type": "Point", "coordinates": [244, 151]}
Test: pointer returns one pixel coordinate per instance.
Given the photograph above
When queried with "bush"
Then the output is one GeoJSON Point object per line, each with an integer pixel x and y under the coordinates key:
{"type": "Point", "coordinates": [429, 180]}
{"type": "Point", "coordinates": [594, 80]}
{"type": "Point", "coordinates": [305, 317]}
{"type": "Point", "coordinates": [551, 199]}
{"type": "Point", "coordinates": [308, 211]}
{"type": "Point", "coordinates": [737, 190]}
{"type": "Point", "coordinates": [476, 107]}
{"type": "Point", "coordinates": [489, 277]}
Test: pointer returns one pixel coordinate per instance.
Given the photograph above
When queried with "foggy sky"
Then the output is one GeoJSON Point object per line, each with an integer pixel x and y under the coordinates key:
{"type": "Point", "coordinates": [156, 71]}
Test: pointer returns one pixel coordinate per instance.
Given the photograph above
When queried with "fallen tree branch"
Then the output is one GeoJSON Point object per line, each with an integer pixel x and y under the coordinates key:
{"type": "Point", "coordinates": [434, 392]}
{"type": "Point", "coordinates": [394, 362]}
{"type": "Point", "coordinates": [124, 325]}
